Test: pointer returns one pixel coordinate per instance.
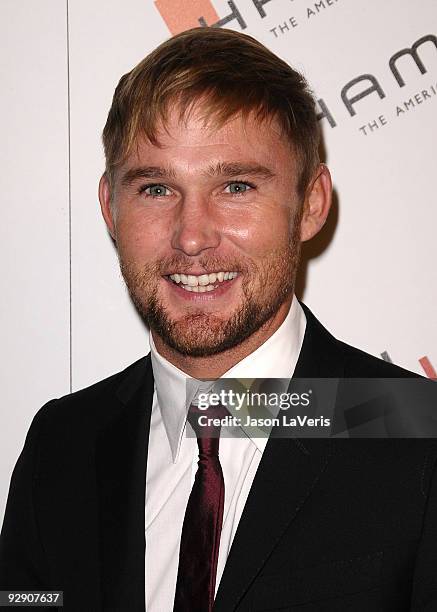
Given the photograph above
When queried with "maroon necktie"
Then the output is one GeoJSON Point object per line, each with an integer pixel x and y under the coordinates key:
{"type": "Point", "coordinates": [202, 526]}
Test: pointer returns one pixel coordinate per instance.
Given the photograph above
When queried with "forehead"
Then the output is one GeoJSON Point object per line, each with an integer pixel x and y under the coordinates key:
{"type": "Point", "coordinates": [195, 141]}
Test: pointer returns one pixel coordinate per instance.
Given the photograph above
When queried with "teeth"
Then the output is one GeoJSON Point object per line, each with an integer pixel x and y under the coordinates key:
{"type": "Point", "coordinates": [199, 288]}
{"type": "Point", "coordinates": [204, 280]}
{"type": "Point", "coordinates": [207, 279]}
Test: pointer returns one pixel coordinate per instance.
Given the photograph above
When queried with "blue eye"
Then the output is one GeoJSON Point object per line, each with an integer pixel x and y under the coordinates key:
{"type": "Point", "coordinates": [238, 187]}
{"type": "Point", "coordinates": [156, 191]}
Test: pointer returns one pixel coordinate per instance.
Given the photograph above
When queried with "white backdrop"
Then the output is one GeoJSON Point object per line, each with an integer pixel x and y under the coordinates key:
{"type": "Point", "coordinates": [370, 277]}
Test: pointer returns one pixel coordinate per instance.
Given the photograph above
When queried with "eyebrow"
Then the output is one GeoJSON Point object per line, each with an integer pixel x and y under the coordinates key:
{"type": "Point", "coordinates": [220, 169]}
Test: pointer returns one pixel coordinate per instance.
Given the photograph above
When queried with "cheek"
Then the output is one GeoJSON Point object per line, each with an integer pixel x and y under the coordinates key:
{"type": "Point", "coordinates": [139, 238]}
{"type": "Point", "coordinates": [260, 233]}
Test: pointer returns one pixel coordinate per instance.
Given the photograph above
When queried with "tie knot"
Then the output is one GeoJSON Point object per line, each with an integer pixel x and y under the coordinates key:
{"type": "Point", "coordinates": [207, 424]}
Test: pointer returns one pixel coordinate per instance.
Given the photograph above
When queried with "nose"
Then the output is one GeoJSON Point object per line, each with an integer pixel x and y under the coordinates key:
{"type": "Point", "coordinates": [194, 227]}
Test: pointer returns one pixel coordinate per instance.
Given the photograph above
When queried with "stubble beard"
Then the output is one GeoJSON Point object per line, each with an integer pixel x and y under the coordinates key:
{"type": "Point", "coordinates": [199, 333]}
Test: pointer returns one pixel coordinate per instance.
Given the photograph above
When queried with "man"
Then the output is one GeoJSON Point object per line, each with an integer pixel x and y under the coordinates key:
{"type": "Point", "coordinates": [212, 182]}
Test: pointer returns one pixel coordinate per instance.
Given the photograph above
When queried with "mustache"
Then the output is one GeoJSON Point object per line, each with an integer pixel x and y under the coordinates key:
{"type": "Point", "coordinates": [183, 265]}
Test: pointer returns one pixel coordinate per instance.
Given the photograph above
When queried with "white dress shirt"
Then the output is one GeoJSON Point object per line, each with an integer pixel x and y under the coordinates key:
{"type": "Point", "coordinates": [172, 457]}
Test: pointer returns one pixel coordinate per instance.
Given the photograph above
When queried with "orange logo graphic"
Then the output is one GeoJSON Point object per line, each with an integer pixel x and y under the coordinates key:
{"type": "Point", "coordinates": [428, 367]}
{"type": "Point", "coordinates": [180, 16]}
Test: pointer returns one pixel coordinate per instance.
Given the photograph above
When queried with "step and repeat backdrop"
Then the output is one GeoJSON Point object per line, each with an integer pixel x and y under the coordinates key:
{"type": "Point", "coordinates": [371, 274]}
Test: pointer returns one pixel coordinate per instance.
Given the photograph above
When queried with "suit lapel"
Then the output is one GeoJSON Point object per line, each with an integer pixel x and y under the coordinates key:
{"type": "Point", "coordinates": [286, 476]}
{"type": "Point", "coordinates": [121, 456]}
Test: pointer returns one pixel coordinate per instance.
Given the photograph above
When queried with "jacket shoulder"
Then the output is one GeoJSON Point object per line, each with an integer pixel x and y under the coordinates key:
{"type": "Point", "coordinates": [341, 359]}
{"type": "Point", "coordinates": [93, 402]}
{"type": "Point", "coordinates": [358, 364]}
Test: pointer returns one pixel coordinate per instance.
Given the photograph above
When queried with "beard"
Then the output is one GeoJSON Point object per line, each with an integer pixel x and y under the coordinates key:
{"type": "Point", "coordinates": [199, 333]}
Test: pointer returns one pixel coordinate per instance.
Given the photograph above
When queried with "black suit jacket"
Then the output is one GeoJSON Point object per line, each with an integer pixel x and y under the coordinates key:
{"type": "Point", "coordinates": [329, 524]}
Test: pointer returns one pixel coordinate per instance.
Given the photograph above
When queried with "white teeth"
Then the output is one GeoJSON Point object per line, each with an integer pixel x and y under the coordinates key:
{"type": "Point", "coordinates": [204, 280]}
{"type": "Point", "coordinates": [199, 288]}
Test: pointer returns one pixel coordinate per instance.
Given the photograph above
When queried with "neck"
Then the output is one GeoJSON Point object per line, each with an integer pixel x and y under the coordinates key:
{"type": "Point", "coordinates": [214, 366]}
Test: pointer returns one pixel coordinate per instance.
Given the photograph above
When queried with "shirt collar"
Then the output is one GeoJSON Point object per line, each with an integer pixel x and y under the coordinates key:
{"type": "Point", "coordinates": [276, 358]}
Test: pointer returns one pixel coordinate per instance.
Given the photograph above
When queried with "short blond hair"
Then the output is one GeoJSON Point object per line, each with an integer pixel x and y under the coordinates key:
{"type": "Point", "coordinates": [232, 74]}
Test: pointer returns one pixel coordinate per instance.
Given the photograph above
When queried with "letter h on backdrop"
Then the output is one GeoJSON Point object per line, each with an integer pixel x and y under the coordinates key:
{"type": "Point", "coordinates": [193, 13]}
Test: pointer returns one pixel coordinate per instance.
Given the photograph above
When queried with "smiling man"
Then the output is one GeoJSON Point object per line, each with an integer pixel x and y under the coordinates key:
{"type": "Point", "coordinates": [208, 223]}
{"type": "Point", "coordinates": [212, 182]}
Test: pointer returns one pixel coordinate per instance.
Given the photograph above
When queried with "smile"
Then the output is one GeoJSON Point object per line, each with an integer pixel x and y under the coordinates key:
{"type": "Point", "coordinates": [203, 282]}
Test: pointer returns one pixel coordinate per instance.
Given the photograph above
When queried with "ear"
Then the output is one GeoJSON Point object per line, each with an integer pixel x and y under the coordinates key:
{"type": "Point", "coordinates": [317, 203]}
{"type": "Point", "coordinates": [105, 204]}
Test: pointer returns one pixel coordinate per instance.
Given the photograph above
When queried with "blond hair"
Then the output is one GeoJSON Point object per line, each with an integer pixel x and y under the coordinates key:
{"type": "Point", "coordinates": [231, 73]}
